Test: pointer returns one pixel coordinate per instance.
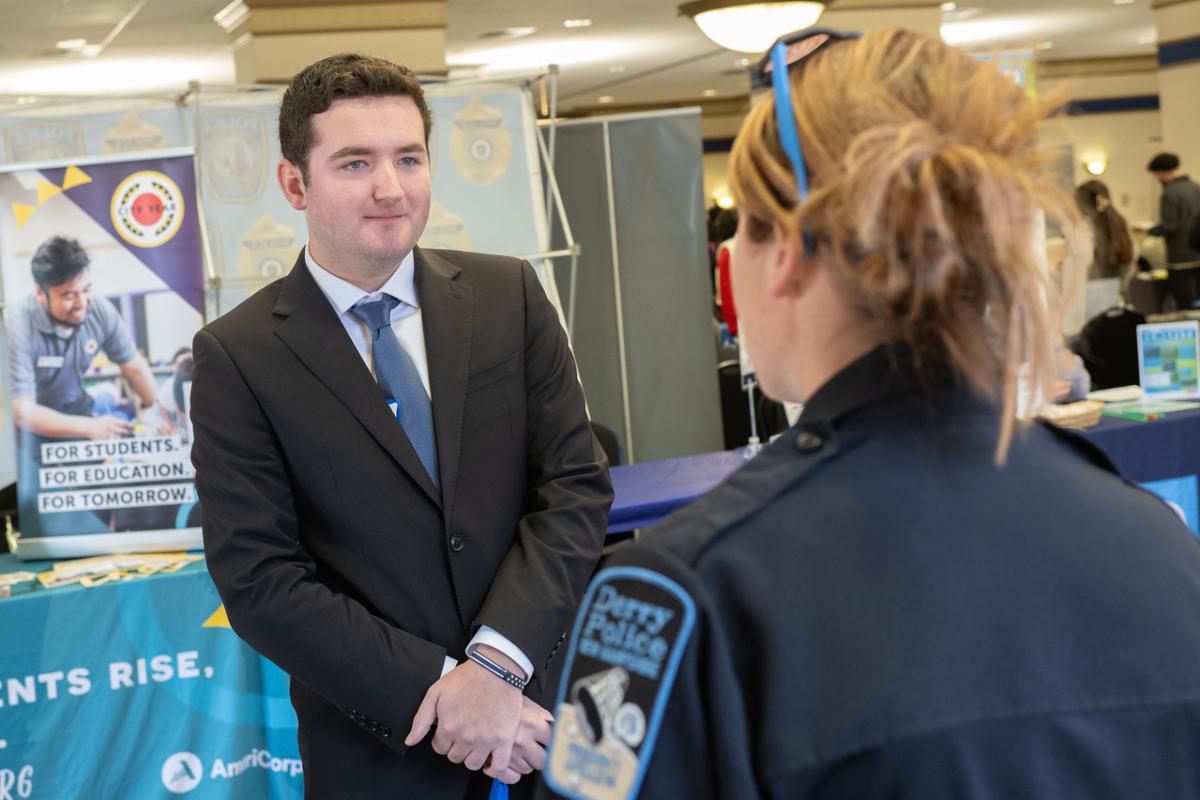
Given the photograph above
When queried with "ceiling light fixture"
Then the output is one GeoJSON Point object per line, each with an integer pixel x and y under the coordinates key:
{"type": "Point", "coordinates": [604, 99]}
{"type": "Point", "coordinates": [1096, 166]}
{"type": "Point", "coordinates": [577, 23]}
{"type": "Point", "coordinates": [948, 7]}
{"type": "Point", "coordinates": [710, 92]}
{"type": "Point", "coordinates": [509, 33]}
{"type": "Point", "coordinates": [751, 26]}
{"type": "Point", "coordinates": [71, 44]}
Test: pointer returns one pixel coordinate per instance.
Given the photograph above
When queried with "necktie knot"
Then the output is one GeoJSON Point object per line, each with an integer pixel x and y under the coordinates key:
{"type": "Point", "coordinates": [375, 314]}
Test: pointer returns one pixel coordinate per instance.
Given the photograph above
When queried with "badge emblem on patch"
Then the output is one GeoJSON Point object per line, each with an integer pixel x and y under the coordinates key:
{"type": "Point", "coordinates": [91, 346]}
{"type": "Point", "coordinates": [630, 634]}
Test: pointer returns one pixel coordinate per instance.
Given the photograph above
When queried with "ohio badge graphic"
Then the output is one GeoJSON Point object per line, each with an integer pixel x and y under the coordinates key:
{"type": "Point", "coordinates": [147, 209]}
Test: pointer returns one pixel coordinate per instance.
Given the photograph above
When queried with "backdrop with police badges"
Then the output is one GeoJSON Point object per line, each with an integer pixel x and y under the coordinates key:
{"type": "Point", "coordinates": [103, 273]}
{"type": "Point", "coordinates": [487, 176]}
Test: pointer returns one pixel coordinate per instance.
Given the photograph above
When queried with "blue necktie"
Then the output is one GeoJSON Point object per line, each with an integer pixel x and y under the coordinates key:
{"type": "Point", "coordinates": [399, 380]}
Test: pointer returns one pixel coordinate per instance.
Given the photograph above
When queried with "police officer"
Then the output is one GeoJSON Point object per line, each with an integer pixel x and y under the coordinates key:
{"type": "Point", "coordinates": [54, 335]}
{"type": "Point", "coordinates": [909, 594]}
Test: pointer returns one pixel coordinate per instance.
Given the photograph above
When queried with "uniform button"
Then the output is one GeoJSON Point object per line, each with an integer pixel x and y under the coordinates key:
{"type": "Point", "coordinates": [385, 731]}
{"type": "Point", "coordinates": [809, 442]}
{"type": "Point", "coordinates": [456, 543]}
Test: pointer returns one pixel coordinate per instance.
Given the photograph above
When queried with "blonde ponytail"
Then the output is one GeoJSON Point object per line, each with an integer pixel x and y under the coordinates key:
{"type": "Point", "coordinates": [927, 184]}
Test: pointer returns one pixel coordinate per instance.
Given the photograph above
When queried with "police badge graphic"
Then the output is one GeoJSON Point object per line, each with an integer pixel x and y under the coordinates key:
{"type": "Point", "coordinates": [147, 209]}
{"type": "Point", "coordinates": [43, 141]}
{"type": "Point", "coordinates": [445, 230]}
{"type": "Point", "coordinates": [628, 639]}
{"type": "Point", "coordinates": [233, 154]}
{"type": "Point", "coordinates": [480, 144]}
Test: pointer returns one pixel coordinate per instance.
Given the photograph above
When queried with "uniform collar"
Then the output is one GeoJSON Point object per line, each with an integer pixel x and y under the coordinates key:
{"type": "Point", "coordinates": [343, 294]}
{"type": "Point", "coordinates": [885, 373]}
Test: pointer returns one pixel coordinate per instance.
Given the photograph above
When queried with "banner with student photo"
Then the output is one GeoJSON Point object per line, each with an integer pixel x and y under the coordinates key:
{"type": "Point", "coordinates": [103, 274]}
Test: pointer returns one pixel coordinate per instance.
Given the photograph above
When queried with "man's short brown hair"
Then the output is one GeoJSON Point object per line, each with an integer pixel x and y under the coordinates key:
{"type": "Point", "coordinates": [314, 88]}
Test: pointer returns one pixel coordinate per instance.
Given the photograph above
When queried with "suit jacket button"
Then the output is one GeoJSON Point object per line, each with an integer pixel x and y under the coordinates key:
{"type": "Point", "coordinates": [385, 731]}
{"type": "Point", "coordinates": [456, 543]}
{"type": "Point", "coordinates": [808, 442]}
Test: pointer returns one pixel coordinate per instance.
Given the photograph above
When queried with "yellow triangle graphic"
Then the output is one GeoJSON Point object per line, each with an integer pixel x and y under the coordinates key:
{"type": "Point", "coordinates": [219, 619]}
{"type": "Point", "coordinates": [22, 212]}
{"type": "Point", "coordinates": [46, 190]}
{"type": "Point", "coordinates": [74, 177]}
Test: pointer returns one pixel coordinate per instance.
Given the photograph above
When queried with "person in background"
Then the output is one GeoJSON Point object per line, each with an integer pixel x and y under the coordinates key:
{"type": "Point", "coordinates": [1179, 208]}
{"type": "Point", "coordinates": [55, 334]}
{"type": "Point", "coordinates": [910, 594]}
{"type": "Point", "coordinates": [1112, 246]}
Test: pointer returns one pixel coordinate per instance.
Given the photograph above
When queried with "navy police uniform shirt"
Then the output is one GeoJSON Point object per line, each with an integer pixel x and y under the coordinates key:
{"type": "Point", "coordinates": [872, 608]}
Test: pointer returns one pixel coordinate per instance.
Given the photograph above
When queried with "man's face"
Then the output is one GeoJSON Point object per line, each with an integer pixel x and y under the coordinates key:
{"type": "Point", "coordinates": [68, 302]}
{"type": "Point", "coordinates": [368, 191]}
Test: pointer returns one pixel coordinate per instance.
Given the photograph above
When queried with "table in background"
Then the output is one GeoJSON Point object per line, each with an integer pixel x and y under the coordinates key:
{"type": "Point", "coordinates": [1163, 455]}
{"type": "Point", "coordinates": [203, 710]}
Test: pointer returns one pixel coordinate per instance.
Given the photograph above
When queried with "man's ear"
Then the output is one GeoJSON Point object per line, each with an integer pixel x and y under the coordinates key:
{"type": "Point", "coordinates": [291, 183]}
{"type": "Point", "coordinates": [791, 269]}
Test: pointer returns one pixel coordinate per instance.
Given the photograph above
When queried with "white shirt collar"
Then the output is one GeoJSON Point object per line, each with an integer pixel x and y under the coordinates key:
{"type": "Point", "coordinates": [343, 294]}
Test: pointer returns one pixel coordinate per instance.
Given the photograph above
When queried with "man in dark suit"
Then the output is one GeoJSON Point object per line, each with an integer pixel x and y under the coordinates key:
{"type": "Point", "coordinates": [366, 537]}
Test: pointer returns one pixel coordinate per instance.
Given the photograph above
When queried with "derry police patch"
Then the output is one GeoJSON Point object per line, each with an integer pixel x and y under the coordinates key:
{"type": "Point", "coordinates": [632, 629]}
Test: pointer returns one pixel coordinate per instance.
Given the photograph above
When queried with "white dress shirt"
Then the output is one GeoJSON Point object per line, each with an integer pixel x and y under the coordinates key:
{"type": "Point", "coordinates": [406, 324]}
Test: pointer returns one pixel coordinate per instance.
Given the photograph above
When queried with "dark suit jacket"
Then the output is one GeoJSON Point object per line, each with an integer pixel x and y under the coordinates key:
{"type": "Point", "coordinates": [333, 552]}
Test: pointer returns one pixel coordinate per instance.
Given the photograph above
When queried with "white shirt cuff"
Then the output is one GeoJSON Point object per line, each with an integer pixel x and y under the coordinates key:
{"type": "Point", "coordinates": [449, 665]}
{"type": "Point", "coordinates": [493, 638]}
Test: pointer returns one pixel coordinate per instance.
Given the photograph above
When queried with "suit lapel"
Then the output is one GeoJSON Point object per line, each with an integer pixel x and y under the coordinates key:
{"type": "Point", "coordinates": [447, 316]}
{"type": "Point", "coordinates": [312, 331]}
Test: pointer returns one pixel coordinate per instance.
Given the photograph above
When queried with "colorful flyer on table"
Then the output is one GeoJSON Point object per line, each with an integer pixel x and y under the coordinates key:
{"type": "Point", "coordinates": [1167, 360]}
{"type": "Point", "coordinates": [103, 273]}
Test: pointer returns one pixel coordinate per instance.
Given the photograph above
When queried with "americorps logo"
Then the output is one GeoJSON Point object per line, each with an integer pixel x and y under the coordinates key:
{"type": "Point", "coordinates": [182, 772]}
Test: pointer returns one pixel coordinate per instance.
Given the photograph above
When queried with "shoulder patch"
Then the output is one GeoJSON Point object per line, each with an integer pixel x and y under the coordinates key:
{"type": "Point", "coordinates": [629, 636]}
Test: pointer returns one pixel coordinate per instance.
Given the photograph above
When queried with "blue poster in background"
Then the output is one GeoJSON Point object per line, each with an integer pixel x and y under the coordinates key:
{"type": "Point", "coordinates": [139, 689]}
{"type": "Point", "coordinates": [103, 271]}
{"type": "Point", "coordinates": [1180, 493]}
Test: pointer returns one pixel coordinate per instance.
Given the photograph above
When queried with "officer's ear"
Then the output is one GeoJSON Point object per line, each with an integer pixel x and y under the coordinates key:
{"type": "Point", "coordinates": [792, 268]}
{"type": "Point", "coordinates": [291, 183]}
{"type": "Point", "coordinates": [39, 294]}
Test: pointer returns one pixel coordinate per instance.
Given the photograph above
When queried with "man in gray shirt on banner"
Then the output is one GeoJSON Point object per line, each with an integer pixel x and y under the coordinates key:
{"type": "Point", "coordinates": [54, 335]}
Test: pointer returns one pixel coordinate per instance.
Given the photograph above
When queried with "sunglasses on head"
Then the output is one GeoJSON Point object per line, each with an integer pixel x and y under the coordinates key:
{"type": "Point", "coordinates": [773, 69]}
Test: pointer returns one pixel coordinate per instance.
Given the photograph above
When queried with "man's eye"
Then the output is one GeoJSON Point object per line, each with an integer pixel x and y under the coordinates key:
{"type": "Point", "coordinates": [356, 165]}
{"type": "Point", "coordinates": [410, 161]}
